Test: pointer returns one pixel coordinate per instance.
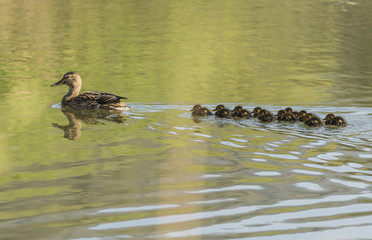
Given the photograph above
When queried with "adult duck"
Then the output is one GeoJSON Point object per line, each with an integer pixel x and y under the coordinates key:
{"type": "Point", "coordinates": [88, 100]}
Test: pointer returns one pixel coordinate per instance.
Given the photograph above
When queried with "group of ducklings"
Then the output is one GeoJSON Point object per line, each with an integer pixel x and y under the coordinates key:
{"type": "Point", "coordinates": [284, 115]}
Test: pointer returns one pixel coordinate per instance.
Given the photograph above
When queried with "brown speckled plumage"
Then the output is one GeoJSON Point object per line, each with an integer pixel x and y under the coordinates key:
{"type": "Point", "coordinates": [87, 100]}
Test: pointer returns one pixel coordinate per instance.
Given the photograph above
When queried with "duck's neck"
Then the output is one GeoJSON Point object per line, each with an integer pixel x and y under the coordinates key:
{"type": "Point", "coordinates": [73, 91]}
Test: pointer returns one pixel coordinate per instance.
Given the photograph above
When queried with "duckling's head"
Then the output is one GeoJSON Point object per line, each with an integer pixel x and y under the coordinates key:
{"type": "Point", "coordinates": [281, 113]}
{"type": "Point", "coordinates": [71, 79]}
{"type": "Point", "coordinates": [329, 117]}
{"type": "Point", "coordinates": [196, 107]}
{"type": "Point", "coordinates": [238, 109]}
{"type": "Point", "coordinates": [288, 110]}
{"type": "Point", "coordinates": [206, 111]}
{"type": "Point", "coordinates": [257, 110]}
{"type": "Point", "coordinates": [219, 107]}
{"type": "Point", "coordinates": [246, 113]}
{"type": "Point", "coordinates": [309, 116]}
{"type": "Point", "coordinates": [302, 114]}
{"type": "Point", "coordinates": [339, 121]}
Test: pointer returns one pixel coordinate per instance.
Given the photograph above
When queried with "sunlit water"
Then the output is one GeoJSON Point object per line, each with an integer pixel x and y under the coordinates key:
{"type": "Point", "coordinates": [158, 173]}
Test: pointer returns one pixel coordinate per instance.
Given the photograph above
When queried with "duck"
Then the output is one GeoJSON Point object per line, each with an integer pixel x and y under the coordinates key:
{"type": "Point", "coordinates": [331, 119]}
{"type": "Point", "coordinates": [88, 100]}
{"type": "Point", "coordinates": [302, 115]}
{"type": "Point", "coordinates": [313, 120]}
{"type": "Point", "coordinates": [256, 111]}
{"type": "Point", "coordinates": [200, 111]}
{"type": "Point", "coordinates": [288, 110]}
{"type": "Point", "coordinates": [266, 116]}
{"type": "Point", "coordinates": [222, 112]}
{"type": "Point", "coordinates": [240, 112]}
{"type": "Point", "coordinates": [286, 116]}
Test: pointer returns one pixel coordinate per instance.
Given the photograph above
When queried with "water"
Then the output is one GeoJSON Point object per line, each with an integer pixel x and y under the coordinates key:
{"type": "Point", "coordinates": [158, 173]}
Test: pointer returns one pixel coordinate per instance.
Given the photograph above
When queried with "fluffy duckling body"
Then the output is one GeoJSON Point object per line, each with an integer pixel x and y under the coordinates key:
{"type": "Point", "coordinates": [257, 111]}
{"type": "Point", "coordinates": [200, 111]}
{"type": "Point", "coordinates": [286, 116]}
{"type": "Point", "coordinates": [240, 112]}
{"type": "Point", "coordinates": [313, 120]}
{"type": "Point", "coordinates": [302, 115]}
{"type": "Point", "coordinates": [331, 119]}
{"type": "Point", "coordinates": [266, 116]}
{"type": "Point", "coordinates": [222, 112]}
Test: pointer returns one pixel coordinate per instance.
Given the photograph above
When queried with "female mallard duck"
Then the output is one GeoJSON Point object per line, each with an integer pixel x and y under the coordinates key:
{"type": "Point", "coordinates": [88, 100]}
{"type": "Point", "coordinates": [200, 111]}
{"type": "Point", "coordinates": [331, 119]}
{"type": "Point", "coordinates": [222, 112]}
{"type": "Point", "coordinates": [240, 112]}
{"type": "Point", "coordinates": [313, 120]}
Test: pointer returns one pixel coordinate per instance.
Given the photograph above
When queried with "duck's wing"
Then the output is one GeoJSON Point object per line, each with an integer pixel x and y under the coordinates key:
{"type": "Point", "coordinates": [101, 97]}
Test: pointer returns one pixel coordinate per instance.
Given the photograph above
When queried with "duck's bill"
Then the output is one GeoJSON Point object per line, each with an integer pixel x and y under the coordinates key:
{"type": "Point", "coordinates": [60, 82]}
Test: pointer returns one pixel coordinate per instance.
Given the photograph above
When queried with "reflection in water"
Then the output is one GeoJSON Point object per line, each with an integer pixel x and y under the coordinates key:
{"type": "Point", "coordinates": [160, 174]}
{"type": "Point", "coordinates": [92, 117]}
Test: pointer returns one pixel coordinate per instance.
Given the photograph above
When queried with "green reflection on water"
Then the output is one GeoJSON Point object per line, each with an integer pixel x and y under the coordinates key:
{"type": "Point", "coordinates": [176, 51]}
{"type": "Point", "coordinates": [281, 53]}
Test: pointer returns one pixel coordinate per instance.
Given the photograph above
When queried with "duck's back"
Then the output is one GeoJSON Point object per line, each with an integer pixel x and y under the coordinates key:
{"type": "Point", "coordinates": [96, 100]}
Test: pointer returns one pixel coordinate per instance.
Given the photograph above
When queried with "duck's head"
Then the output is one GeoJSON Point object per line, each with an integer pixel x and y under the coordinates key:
{"type": "Point", "coordinates": [71, 79]}
{"type": "Point", "coordinates": [257, 110]}
{"type": "Point", "coordinates": [329, 117]}
{"type": "Point", "coordinates": [206, 111]}
{"type": "Point", "coordinates": [264, 112]}
{"type": "Point", "coordinates": [281, 113]}
{"type": "Point", "coordinates": [246, 113]}
{"type": "Point", "coordinates": [196, 107]}
{"type": "Point", "coordinates": [238, 109]}
{"type": "Point", "coordinates": [309, 116]}
{"type": "Point", "coordinates": [219, 107]}
{"type": "Point", "coordinates": [302, 114]}
{"type": "Point", "coordinates": [288, 110]}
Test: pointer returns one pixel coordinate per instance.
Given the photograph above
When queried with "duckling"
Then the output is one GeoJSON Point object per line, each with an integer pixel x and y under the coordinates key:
{"type": "Point", "coordinates": [222, 112]}
{"type": "Point", "coordinates": [246, 114]}
{"type": "Point", "coordinates": [236, 111]}
{"type": "Point", "coordinates": [266, 116]}
{"type": "Point", "coordinates": [288, 110]}
{"type": "Point", "coordinates": [257, 111]}
{"type": "Point", "coordinates": [286, 116]}
{"type": "Point", "coordinates": [302, 115]}
{"type": "Point", "coordinates": [200, 111]}
{"type": "Point", "coordinates": [313, 120]}
{"type": "Point", "coordinates": [219, 107]}
{"type": "Point", "coordinates": [331, 119]}
{"type": "Point", "coordinates": [240, 112]}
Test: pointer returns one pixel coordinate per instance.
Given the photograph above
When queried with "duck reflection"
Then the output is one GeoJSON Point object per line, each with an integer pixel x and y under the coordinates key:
{"type": "Point", "coordinates": [92, 117]}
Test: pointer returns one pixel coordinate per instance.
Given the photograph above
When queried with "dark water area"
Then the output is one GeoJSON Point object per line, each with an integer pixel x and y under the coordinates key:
{"type": "Point", "coordinates": [156, 172]}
